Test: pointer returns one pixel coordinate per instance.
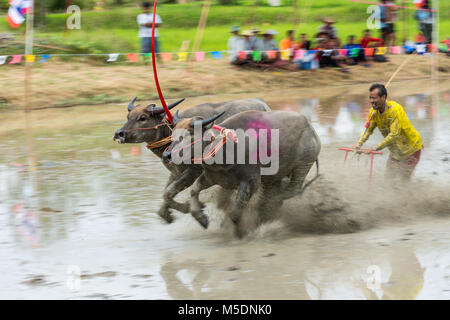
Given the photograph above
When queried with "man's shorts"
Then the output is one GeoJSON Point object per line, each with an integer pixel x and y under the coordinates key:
{"type": "Point", "coordinates": [146, 45]}
{"type": "Point", "coordinates": [388, 28]}
{"type": "Point", "coordinates": [405, 166]}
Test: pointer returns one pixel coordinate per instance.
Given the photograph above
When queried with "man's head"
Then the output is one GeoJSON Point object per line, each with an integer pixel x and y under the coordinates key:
{"type": "Point", "coordinates": [367, 33]}
{"type": "Point", "coordinates": [351, 39]}
{"type": "Point", "coordinates": [303, 36]}
{"type": "Point", "coordinates": [247, 34]}
{"type": "Point", "coordinates": [269, 34]}
{"type": "Point", "coordinates": [146, 6]}
{"type": "Point", "coordinates": [290, 34]}
{"type": "Point", "coordinates": [234, 30]}
{"type": "Point", "coordinates": [378, 96]}
{"type": "Point", "coordinates": [328, 22]}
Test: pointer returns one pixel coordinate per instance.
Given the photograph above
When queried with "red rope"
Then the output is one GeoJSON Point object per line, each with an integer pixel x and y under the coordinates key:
{"type": "Point", "coordinates": [161, 98]}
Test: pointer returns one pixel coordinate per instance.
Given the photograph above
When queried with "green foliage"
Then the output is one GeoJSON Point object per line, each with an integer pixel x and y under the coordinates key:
{"type": "Point", "coordinates": [115, 30]}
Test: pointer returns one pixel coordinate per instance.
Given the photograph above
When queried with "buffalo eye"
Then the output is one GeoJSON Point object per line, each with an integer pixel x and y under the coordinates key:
{"type": "Point", "coordinates": [142, 118]}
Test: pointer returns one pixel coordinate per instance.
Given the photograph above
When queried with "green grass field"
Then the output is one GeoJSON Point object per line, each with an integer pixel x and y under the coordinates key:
{"type": "Point", "coordinates": [115, 30]}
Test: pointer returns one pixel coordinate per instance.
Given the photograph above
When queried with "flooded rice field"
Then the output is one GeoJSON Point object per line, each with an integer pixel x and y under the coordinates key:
{"type": "Point", "coordinates": [78, 215]}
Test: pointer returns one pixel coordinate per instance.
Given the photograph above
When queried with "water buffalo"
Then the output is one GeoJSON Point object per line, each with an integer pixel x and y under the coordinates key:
{"type": "Point", "coordinates": [297, 150]}
{"type": "Point", "coordinates": [148, 124]}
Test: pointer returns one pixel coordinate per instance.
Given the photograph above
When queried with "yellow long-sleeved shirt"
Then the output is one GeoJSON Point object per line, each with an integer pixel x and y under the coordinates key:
{"type": "Point", "coordinates": [399, 135]}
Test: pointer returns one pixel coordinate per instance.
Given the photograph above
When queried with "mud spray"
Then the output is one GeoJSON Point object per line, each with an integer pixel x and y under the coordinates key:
{"type": "Point", "coordinates": [341, 200]}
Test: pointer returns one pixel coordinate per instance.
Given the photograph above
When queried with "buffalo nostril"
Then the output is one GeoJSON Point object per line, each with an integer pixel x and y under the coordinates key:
{"type": "Point", "coordinates": [119, 134]}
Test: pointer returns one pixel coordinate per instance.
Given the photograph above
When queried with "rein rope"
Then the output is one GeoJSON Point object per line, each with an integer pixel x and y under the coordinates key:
{"type": "Point", "coordinates": [224, 133]}
{"type": "Point", "coordinates": [158, 143]}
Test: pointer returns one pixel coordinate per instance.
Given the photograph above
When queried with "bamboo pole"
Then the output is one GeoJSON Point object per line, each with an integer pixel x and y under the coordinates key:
{"type": "Point", "coordinates": [28, 51]}
{"type": "Point", "coordinates": [201, 25]}
{"type": "Point", "coordinates": [435, 56]}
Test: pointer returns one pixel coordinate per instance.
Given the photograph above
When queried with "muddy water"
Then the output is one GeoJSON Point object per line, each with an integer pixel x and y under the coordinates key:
{"type": "Point", "coordinates": [78, 220]}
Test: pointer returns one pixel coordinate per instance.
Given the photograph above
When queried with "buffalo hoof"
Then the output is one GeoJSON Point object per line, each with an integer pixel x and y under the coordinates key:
{"type": "Point", "coordinates": [165, 214]}
{"type": "Point", "coordinates": [239, 232]}
{"type": "Point", "coordinates": [201, 218]}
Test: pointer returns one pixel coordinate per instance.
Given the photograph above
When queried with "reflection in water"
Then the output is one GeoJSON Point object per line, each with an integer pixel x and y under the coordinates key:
{"type": "Point", "coordinates": [81, 197]}
{"type": "Point", "coordinates": [263, 276]}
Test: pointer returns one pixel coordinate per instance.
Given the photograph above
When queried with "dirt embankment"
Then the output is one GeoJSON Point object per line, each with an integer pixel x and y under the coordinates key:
{"type": "Point", "coordinates": [69, 83]}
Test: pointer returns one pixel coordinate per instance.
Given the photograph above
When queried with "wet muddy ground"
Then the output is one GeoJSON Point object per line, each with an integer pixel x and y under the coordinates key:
{"type": "Point", "coordinates": [78, 217]}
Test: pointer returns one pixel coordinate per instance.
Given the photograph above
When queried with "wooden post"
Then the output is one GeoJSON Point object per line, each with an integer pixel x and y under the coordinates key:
{"type": "Point", "coordinates": [201, 26]}
{"type": "Point", "coordinates": [435, 56]}
{"type": "Point", "coordinates": [405, 24]}
{"type": "Point", "coordinates": [28, 51]}
{"type": "Point", "coordinates": [295, 14]}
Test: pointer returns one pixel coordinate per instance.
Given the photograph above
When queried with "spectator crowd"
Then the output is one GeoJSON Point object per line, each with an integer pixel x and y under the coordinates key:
{"type": "Point", "coordinates": [258, 49]}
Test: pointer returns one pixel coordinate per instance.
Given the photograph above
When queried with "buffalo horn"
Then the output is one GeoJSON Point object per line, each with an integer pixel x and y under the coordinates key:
{"type": "Point", "coordinates": [205, 122]}
{"type": "Point", "coordinates": [131, 105]}
{"type": "Point", "coordinates": [159, 110]}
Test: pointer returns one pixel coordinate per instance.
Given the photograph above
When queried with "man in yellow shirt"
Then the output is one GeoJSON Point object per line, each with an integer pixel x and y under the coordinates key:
{"type": "Point", "coordinates": [400, 137]}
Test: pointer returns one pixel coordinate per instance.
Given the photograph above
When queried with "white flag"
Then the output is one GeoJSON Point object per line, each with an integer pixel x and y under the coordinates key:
{"type": "Point", "coordinates": [3, 59]}
{"type": "Point", "coordinates": [112, 57]}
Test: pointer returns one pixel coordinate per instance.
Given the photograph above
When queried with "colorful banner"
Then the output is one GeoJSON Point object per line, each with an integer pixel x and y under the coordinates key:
{"type": "Point", "coordinates": [368, 52]}
{"type": "Point", "coordinates": [44, 58]}
{"type": "Point", "coordinates": [354, 52]}
{"type": "Point", "coordinates": [396, 50]}
{"type": "Point", "coordinates": [182, 56]}
{"type": "Point", "coordinates": [256, 55]}
{"type": "Point", "coordinates": [431, 47]}
{"type": "Point", "coordinates": [421, 48]}
{"type": "Point", "coordinates": [199, 56]}
{"type": "Point", "coordinates": [242, 55]}
{"type": "Point", "coordinates": [166, 56]}
{"type": "Point", "coordinates": [272, 54]}
{"type": "Point", "coordinates": [299, 54]}
{"type": "Point", "coordinates": [285, 55]}
{"type": "Point", "coordinates": [112, 57]}
{"type": "Point", "coordinates": [132, 57]}
{"type": "Point", "coordinates": [216, 54]}
{"type": "Point", "coordinates": [16, 59]}
{"type": "Point", "coordinates": [380, 51]}
{"type": "Point", "coordinates": [30, 58]}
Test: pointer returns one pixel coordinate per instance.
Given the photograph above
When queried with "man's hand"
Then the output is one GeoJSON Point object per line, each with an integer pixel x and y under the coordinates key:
{"type": "Point", "coordinates": [357, 148]}
{"type": "Point", "coordinates": [369, 150]}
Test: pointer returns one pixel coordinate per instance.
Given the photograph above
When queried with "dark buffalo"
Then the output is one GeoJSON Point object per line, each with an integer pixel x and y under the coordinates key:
{"type": "Point", "coordinates": [148, 124]}
{"type": "Point", "coordinates": [298, 149]}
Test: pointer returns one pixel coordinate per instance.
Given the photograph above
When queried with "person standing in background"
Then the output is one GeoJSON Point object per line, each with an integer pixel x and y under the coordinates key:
{"type": "Point", "coordinates": [145, 21]}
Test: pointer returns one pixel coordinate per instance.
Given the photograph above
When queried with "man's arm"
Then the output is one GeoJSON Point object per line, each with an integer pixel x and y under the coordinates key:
{"type": "Point", "coordinates": [394, 132]}
{"type": "Point", "coordinates": [149, 25]}
{"type": "Point", "coordinates": [158, 22]}
{"type": "Point", "coordinates": [367, 133]}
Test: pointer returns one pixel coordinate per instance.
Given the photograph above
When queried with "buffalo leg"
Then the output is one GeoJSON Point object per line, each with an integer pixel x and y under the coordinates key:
{"type": "Point", "coordinates": [174, 186]}
{"type": "Point", "coordinates": [200, 184]}
{"type": "Point", "coordinates": [271, 200]}
{"type": "Point", "coordinates": [244, 194]}
{"type": "Point", "coordinates": [297, 179]}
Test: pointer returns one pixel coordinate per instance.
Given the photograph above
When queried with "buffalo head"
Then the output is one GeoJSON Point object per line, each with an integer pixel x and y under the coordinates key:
{"type": "Point", "coordinates": [143, 123]}
{"type": "Point", "coordinates": [185, 133]}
